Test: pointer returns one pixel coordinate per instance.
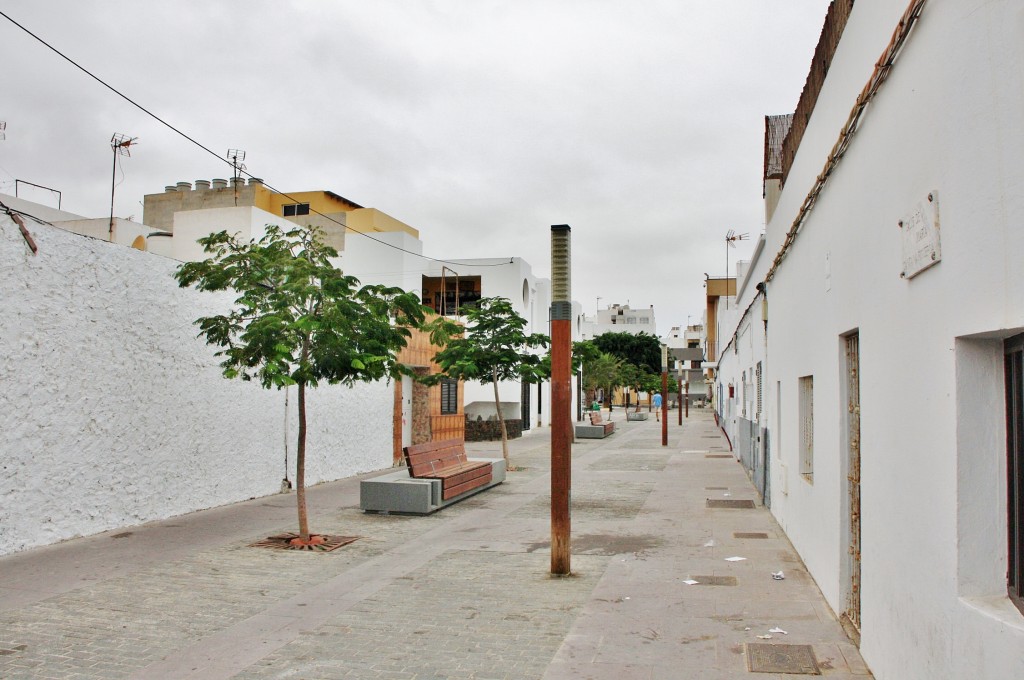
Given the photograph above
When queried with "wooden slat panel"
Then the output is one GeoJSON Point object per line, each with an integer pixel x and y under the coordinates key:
{"type": "Point", "coordinates": [463, 488]}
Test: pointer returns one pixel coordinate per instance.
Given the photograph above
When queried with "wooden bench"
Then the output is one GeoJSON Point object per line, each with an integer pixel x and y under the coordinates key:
{"type": "Point", "coordinates": [599, 428]}
{"type": "Point", "coordinates": [447, 462]}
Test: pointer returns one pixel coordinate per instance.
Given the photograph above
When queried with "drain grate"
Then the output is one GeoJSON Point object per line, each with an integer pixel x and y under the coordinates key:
{"type": "Point", "coordinates": [768, 658]}
{"type": "Point", "coordinates": [718, 455]}
{"type": "Point", "coordinates": [714, 580]}
{"type": "Point", "coordinates": [716, 488]}
{"type": "Point", "coordinates": [749, 534]}
{"type": "Point", "coordinates": [729, 503]}
{"type": "Point", "coordinates": [283, 542]}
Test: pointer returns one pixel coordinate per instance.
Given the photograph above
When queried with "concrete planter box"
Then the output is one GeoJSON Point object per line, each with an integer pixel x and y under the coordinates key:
{"type": "Point", "coordinates": [633, 415]}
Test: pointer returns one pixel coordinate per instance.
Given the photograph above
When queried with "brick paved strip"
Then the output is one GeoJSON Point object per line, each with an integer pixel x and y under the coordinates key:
{"type": "Point", "coordinates": [232, 649]}
{"type": "Point", "coordinates": [473, 614]}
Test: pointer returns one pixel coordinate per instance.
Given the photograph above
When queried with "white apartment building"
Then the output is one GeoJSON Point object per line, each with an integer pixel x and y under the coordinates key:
{"type": "Point", "coordinates": [616, 318]}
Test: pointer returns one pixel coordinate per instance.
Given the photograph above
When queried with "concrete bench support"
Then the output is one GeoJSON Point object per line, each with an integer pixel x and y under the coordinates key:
{"type": "Point", "coordinates": [397, 492]}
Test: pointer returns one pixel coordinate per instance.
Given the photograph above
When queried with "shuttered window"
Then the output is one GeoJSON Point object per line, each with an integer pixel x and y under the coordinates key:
{"type": "Point", "coordinates": [449, 396]}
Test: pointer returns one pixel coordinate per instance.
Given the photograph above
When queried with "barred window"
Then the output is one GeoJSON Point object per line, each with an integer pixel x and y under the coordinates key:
{"type": "Point", "coordinates": [449, 396]}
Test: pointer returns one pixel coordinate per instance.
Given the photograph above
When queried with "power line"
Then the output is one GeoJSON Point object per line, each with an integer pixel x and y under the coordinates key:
{"type": "Point", "coordinates": [217, 156]}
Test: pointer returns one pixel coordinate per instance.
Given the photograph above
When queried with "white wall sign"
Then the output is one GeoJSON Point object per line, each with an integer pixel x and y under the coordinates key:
{"type": "Point", "coordinates": [920, 236]}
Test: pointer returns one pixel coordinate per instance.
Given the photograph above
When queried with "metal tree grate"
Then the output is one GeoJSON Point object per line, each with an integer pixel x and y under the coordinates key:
{"type": "Point", "coordinates": [283, 542]}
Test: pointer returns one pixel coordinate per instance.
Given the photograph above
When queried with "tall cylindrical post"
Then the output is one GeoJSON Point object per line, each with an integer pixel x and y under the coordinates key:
{"type": "Point", "coordinates": [664, 395]}
{"type": "Point", "coordinates": [679, 396]}
{"type": "Point", "coordinates": [561, 398]}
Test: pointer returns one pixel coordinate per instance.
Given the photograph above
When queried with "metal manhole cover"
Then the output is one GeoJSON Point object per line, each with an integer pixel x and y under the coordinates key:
{"type": "Point", "coordinates": [729, 503]}
{"type": "Point", "coordinates": [749, 534]}
{"type": "Point", "coordinates": [718, 455]}
{"type": "Point", "coordinates": [768, 658]}
{"type": "Point", "coordinates": [714, 580]}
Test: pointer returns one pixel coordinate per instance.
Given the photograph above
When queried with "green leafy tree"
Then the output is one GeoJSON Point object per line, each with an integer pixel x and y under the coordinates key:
{"type": "Point", "coordinates": [602, 371]}
{"type": "Point", "coordinates": [493, 347]}
{"type": "Point", "coordinates": [298, 320]}
{"type": "Point", "coordinates": [641, 350]}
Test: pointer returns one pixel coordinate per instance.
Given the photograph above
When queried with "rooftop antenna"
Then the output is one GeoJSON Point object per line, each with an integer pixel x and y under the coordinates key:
{"type": "Point", "coordinates": [236, 156]}
{"type": "Point", "coordinates": [730, 241]}
{"type": "Point", "coordinates": [120, 145]}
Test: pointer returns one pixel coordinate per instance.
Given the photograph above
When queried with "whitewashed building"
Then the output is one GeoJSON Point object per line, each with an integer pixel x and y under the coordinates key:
{"type": "Point", "coordinates": [616, 318]}
{"type": "Point", "coordinates": [468, 280]}
{"type": "Point", "coordinates": [882, 324]}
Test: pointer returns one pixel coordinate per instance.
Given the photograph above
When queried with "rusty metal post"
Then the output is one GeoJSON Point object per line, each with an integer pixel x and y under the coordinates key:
{"type": "Point", "coordinates": [561, 399]}
{"type": "Point", "coordinates": [664, 395]}
{"type": "Point", "coordinates": [687, 398]}
{"type": "Point", "coordinates": [679, 398]}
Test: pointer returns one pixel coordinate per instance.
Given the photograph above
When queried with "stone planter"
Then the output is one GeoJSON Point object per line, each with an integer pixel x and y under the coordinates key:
{"type": "Point", "coordinates": [633, 415]}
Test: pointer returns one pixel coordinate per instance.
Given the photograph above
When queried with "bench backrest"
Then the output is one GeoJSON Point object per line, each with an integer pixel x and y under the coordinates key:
{"type": "Point", "coordinates": [595, 418]}
{"type": "Point", "coordinates": [423, 459]}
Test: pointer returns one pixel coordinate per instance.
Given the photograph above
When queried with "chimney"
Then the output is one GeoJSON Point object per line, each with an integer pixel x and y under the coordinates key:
{"type": "Point", "coordinates": [184, 186]}
{"type": "Point", "coordinates": [220, 184]}
{"type": "Point", "coordinates": [202, 184]}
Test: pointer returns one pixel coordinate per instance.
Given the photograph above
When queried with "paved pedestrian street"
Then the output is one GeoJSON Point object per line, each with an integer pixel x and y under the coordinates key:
{"type": "Point", "coordinates": [462, 593]}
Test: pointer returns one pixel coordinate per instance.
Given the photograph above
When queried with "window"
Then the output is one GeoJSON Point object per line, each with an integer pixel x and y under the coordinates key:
{"type": "Point", "coordinates": [806, 407]}
{"type": "Point", "coordinates": [1013, 366]}
{"type": "Point", "coordinates": [449, 396]}
{"type": "Point", "coordinates": [296, 209]}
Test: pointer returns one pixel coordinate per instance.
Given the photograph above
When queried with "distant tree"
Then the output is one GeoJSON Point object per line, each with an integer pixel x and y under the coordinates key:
{"type": "Point", "coordinates": [493, 347]}
{"type": "Point", "coordinates": [604, 371]}
{"type": "Point", "coordinates": [641, 350]}
{"type": "Point", "coordinates": [299, 321]}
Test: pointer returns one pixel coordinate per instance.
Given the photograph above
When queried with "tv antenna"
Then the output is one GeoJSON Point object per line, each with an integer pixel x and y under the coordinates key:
{"type": "Point", "coordinates": [236, 156]}
{"type": "Point", "coordinates": [730, 242]}
{"type": "Point", "coordinates": [120, 144]}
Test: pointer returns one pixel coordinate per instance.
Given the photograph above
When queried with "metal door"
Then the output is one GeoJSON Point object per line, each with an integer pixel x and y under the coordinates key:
{"type": "Point", "coordinates": [524, 404]}
{"type": "Point", "coordinates": [852, 613]}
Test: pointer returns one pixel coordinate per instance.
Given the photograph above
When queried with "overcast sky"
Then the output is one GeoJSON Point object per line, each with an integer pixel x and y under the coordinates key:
{"type": "Point", "coordinates": [478, 122]}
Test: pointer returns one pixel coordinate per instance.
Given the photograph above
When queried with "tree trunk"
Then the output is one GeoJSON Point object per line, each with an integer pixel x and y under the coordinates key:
{"type": "Point", "coordinates": [300, 467]}
{"type": "Point", "coordinates": [501, 420]}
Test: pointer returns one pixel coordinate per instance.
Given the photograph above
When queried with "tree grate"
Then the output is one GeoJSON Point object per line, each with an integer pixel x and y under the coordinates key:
{"type": "Point", "coordinates": [734, 503]}
{"type": "Point", "coordinates": [283, 542]}
{"type": "Point", "coordinates": [769, 658]}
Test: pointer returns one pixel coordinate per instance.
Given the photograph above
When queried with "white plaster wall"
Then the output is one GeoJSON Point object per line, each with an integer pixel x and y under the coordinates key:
{"type": "Point", "coordinates": [947, 120]}
{"type": "Point", "coordinates": [246, 221]}
{"type": "Point", "coordinates": [116, 414]}
{"type": "Point", "coordinates": [376, 259]}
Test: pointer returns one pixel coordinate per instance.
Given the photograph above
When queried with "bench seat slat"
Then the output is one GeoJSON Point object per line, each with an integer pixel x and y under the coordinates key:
{"type": "Point", "coordinates": [451, 492]}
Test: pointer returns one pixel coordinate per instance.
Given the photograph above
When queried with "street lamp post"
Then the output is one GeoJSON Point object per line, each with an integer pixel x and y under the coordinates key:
{"type": "Point", "coordinates": [664, 395]}
{"type": "Point", "coordinates": [561, 398]}
{"type": "Point", "coordinates": [679, 387]}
